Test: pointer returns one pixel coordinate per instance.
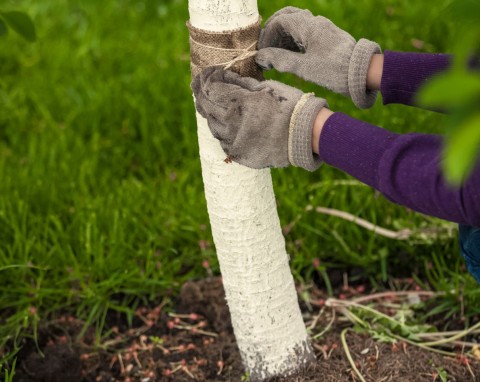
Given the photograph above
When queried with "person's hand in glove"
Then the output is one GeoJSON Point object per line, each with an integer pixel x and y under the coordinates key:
{"type": "Point", "coordinates": [259, 124]}
{"type": "Point", "coordinates": [313, 48]}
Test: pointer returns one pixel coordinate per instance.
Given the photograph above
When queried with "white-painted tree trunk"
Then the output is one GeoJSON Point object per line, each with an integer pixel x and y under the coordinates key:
{"type": "Point", "coordinates": [259, 286]}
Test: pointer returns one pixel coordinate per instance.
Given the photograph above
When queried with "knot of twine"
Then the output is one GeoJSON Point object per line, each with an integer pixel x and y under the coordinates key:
{"type": "Point", "coordinates": [230, 49]}
{"type": "Point", "coordinates": [237, 54]}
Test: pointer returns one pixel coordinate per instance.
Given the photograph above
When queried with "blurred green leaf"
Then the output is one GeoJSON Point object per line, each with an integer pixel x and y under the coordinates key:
{"type": "Point", "coordinates": [467, 46]}
{"type": "Point", "coordinates": [464, 11]}
{"type": "Point", "coordinates": [21, 23]}
{"type": "Point", "coordinates": [450, 90]}
{"type": "Point", "coordinates": [3, 28]}
{"type": "Point", "coordinates": [458, 91]}
{"type": "Point", "coordinates": [462, 149]}
{"type": "Point", "coordinates": [442, 374]}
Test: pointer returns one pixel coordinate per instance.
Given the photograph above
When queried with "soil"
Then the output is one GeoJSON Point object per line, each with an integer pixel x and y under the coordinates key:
{"type": "Point", "coordinates": [195, 342]}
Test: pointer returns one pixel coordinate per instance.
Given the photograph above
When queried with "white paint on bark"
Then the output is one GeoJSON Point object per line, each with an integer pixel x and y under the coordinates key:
{"type": "Point", "coordinates": [222, 15]}
{"type": "Point", "coordinates": [246, 229]}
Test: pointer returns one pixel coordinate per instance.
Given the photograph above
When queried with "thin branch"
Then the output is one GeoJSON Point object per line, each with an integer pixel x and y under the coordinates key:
{"type": "Point", "coordinates": [443, 334]}
{"type": "Point", "coordinates": [321, 349]}
{"type": "Point", "coordinates": [315, 320]}
{"type": "Point", "coordinates": [397, 235]}
{"type": "Point", "coordinates": [397, 294]}
{"type": "Point", "coordinates": [327, 328]}
{"type": "Point", "coordinates": [349, 356]}
{"type": "Point", "coordinates": [474, 378]}
{"type": "Point", "coordinates": [460, 343]}
{"type": "Point", "coordinates": [403, 234]}
{"type": "Point", "coordinates": [343, 305]}
{"type": "Point", "coordinates": [454, 337]}
{"type": "Point", "coordinates": [420, 345]}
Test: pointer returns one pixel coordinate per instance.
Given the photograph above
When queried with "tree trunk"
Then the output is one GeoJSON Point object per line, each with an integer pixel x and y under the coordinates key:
{"type": "Point", "coordinates": [258, 283]}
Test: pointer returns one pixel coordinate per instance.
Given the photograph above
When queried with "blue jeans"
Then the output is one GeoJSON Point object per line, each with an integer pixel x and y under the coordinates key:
{"type": "Point", "coordinates": [469, 239]}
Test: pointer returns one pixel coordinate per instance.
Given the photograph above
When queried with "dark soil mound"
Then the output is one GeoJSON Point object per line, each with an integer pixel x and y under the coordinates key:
{"type": "Point", "coordinates": [196, 343]}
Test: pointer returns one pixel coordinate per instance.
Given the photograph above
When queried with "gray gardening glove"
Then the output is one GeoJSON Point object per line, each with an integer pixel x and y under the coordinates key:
{"type": "Point", "coordinates": [258, 124]}
{"type": "Point", "coordinates": [313, 48]}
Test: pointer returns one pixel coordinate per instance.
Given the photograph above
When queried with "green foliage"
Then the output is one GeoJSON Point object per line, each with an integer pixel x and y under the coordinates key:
{"type": "Point", "coordinates": [384, 328]}
{"type": "Point", "coordinates": [156, 340]}
{"type": "Point", "coordinates": [452, 89]}
{"type": "Point", "coordinates": [442, 373]}
{"type": "Point", "coordinates": [462, 148]}
{"type": "Point", "coordinates": [3, 28]}
{"type": "Point", "coordinates": [20, 22]}
{"type": "Point", "coordinates": [458, 92]}
{"type": "Point", "coordinates": [9, 374]}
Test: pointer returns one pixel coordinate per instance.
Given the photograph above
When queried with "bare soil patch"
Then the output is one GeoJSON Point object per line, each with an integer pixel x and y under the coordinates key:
{"type": "Point", "coordinates": [195, 342]}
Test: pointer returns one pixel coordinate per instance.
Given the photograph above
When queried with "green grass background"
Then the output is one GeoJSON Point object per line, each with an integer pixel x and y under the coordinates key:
{"type": "Point", "coordinates": [101, 195]}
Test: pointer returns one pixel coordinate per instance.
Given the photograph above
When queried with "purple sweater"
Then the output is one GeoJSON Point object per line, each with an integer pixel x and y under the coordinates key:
{"type": "Point", "coordinates": [403, 167]}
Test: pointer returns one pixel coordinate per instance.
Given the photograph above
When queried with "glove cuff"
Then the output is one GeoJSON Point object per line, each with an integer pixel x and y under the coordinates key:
{"type": "Point", "coordinates": [300, 151]}
{"type": "Point", "coordinates": [357, 73]}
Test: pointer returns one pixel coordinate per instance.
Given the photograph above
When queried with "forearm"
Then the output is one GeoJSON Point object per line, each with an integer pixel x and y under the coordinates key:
{"type": "Point", "coordinates": [405, 168]}
{"type": "Point", "coordinates": [375, 72]}
{"type": "Point", "coordinates": [322, 117]}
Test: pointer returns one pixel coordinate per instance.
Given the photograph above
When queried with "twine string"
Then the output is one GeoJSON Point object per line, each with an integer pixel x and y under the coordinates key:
{"type": "Point", "coordinates": [242, 55]}
{"type": "Point", "coordinates": [232, 50]}
{"type": "Point", "coordinates": [247, 53]}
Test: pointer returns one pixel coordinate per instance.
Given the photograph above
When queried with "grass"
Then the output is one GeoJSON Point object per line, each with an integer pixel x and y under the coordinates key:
{"type": "Point", "coordinates": [101, 196]}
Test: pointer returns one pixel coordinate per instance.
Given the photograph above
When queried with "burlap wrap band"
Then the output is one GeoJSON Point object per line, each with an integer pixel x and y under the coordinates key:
{"type": "Point", "coordinates": [233, 49]}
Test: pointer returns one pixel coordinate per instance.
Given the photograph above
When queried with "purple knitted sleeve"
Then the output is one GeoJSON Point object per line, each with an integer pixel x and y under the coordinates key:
{"type": "Point", "coordinates": [403, 167]}
{"type": "Point", "coordinates": [405, 73]}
